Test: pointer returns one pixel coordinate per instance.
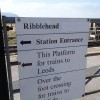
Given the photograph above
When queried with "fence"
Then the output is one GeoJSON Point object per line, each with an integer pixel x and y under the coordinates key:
{"type": "Point", "coordinates": [91, 73]}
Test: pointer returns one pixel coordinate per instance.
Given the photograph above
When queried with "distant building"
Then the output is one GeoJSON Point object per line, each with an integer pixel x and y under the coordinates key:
{"type": "Point", "coordinates": [95, 29]}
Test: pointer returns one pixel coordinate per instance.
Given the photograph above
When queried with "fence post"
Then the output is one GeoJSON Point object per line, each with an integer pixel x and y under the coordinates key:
{"type": "Point", "coordinates": [4, 91]}
{"type": "Point", "coordinates": [7, 57]}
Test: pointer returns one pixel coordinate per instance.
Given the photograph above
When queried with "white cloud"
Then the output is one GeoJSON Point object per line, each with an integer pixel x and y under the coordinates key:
{"type": "Point", "coordinates": [5, 2]}
{"type": "Point", "coordinates": [52, 10]}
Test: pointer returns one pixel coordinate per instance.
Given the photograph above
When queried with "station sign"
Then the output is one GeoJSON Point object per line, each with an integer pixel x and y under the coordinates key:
{"type": "Point", "coordinates": [52, 57]}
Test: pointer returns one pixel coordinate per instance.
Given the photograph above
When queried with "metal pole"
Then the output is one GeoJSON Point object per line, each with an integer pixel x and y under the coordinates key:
{"type": "Point", "coordinates": [7, 57]}
{"type": "Point", "coordinates": [4, 91]}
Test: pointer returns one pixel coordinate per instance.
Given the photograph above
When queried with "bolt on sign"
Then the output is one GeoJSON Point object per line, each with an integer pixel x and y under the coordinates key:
{"type": "Point", "coordinates": [51, 55]}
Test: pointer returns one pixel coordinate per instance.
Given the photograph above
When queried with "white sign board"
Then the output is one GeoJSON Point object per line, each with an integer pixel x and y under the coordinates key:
{"type": "Point", "coordinates": [63, 86]}
{"type": "Point", "coordinates": [51, 55]}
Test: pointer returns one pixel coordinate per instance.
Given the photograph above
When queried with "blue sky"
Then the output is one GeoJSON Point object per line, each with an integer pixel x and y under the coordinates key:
{"type": "Point", "coordinates": [52, 8]}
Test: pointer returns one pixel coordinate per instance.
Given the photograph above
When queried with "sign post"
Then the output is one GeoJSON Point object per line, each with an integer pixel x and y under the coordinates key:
{"type": "Point", "coordinates": [51, 54]}
{"type": "Point", "coordinates": [4, 91]}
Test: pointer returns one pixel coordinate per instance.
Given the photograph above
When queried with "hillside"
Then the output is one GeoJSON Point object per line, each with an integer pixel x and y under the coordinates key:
{"type": "Point", "coordinates": [9, 14]}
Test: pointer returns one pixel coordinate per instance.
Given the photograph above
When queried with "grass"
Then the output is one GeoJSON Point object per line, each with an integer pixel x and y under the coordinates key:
{"type": "Point", "coordinates": [11, 37]}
